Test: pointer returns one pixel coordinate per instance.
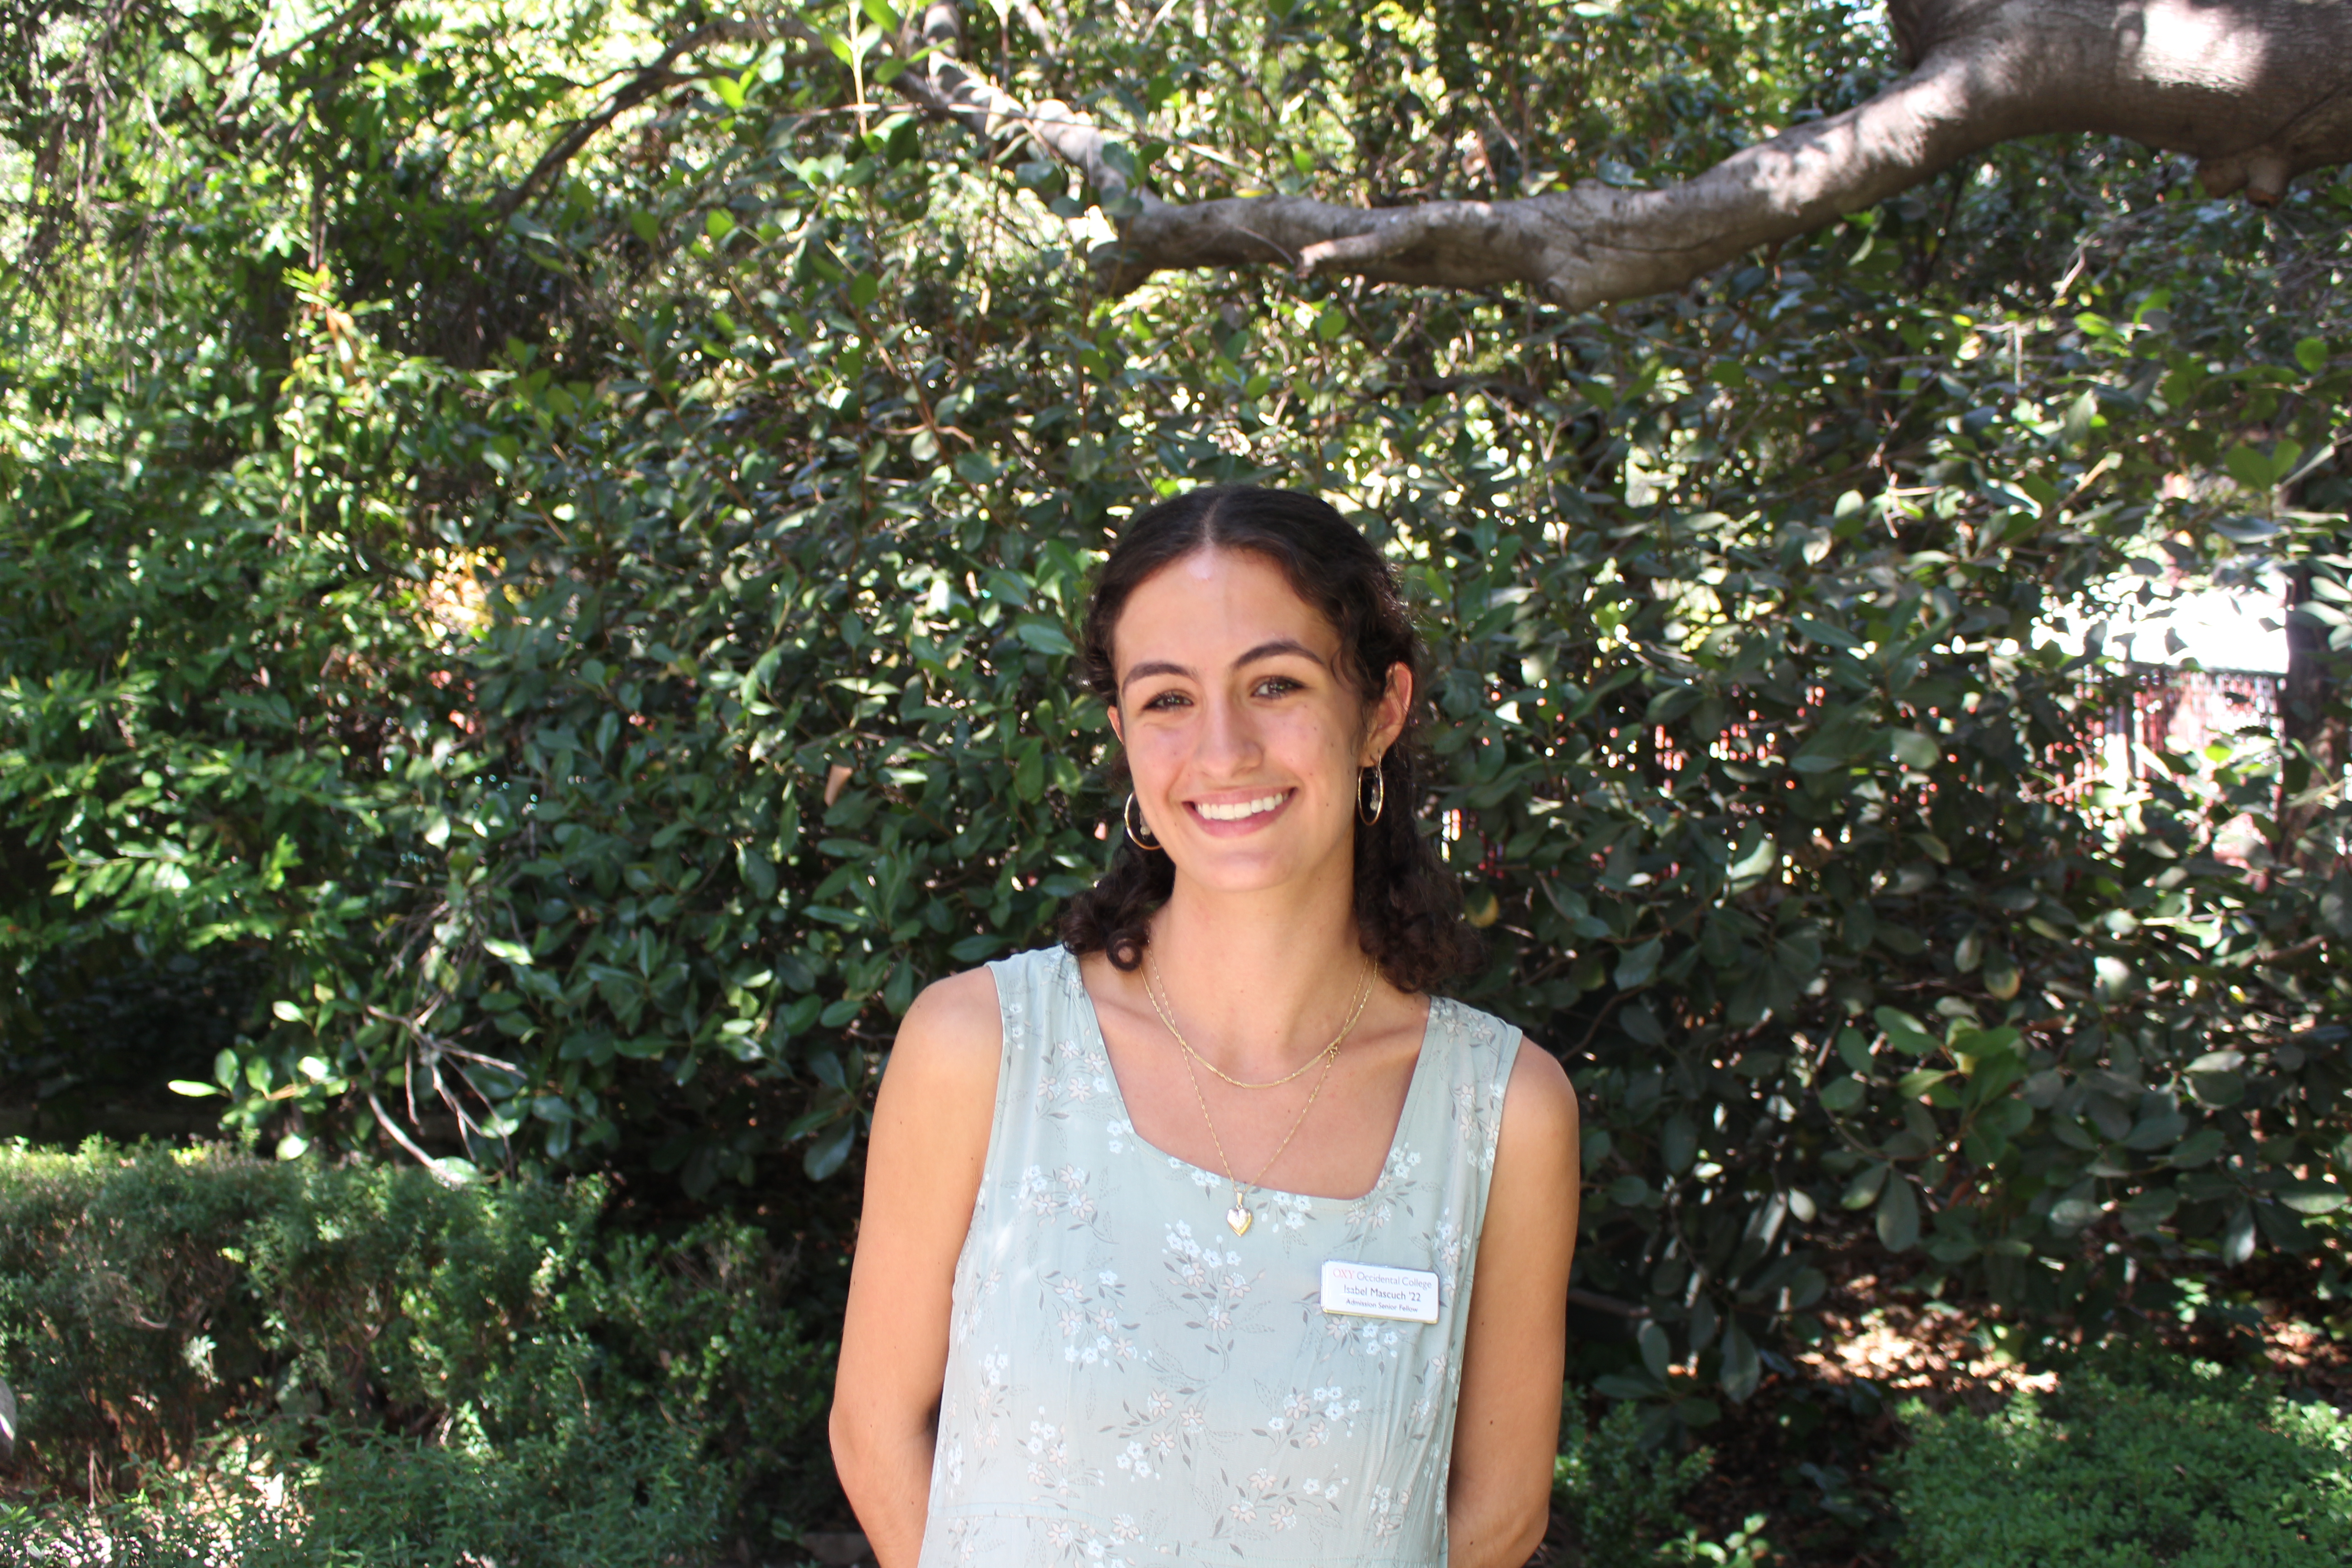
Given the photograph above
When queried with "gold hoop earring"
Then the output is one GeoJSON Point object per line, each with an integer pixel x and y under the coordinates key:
{"type": "Point", "coordinates": [1370, 813]}
{"type": "Point", "coordinates": [1144, 838]}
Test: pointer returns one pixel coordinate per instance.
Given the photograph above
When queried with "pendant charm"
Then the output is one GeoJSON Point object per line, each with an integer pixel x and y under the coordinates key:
{"type": "Point", "coordinates": [1239, 1218]}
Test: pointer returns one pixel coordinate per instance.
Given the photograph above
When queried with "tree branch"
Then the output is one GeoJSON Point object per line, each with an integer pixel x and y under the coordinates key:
{"type": "Point", "coordinates": [2257, 90]}
{"type": "Point", "coordinates": [656, 76]}
{"type": "Point", "coordinates": [942, 84]}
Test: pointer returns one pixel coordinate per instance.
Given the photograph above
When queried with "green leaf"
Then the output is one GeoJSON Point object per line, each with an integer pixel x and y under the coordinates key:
{"type": "Point", "coordinates": [1854, 1049]}
{"type": "Point", "coordinates": [2070, 1216]}
{"type": "Point", "coordinates": [2197, 1149]}
{"type": "Point", "coordinates": [2305, 1197]}
{"type": "Point", "coordinates": [1863, 1190]}
{"type": "Point", "coordinates": [1679, 1142]}
{"type": "Point", "coordinates": [1899, 939]}
{"type": "Point", "coordinates": [1043, 636]}
{"type": "Point", "coordinates": [514, 953]}
{"type": "Point", "coordinates": [1671, 704]}
{"type": "Point", "coordinates": [1904, 1031]}
{"type": "Point", "coordinates": [1825, 633]}
{"type": "Point", "coordinates": [1638, 963]}
{"type": "Point", "coordinates": [1743, 1369]}
{"type": "Point", "coordinates": [1898, 1216]}
{"type": "Point", "coordinates": [2005, 1042]}
{"type": "Point", "coordinates": [1914, 750]}
{"type": "Point", "coordinates": [831, 1150]}
{"type": "Point", "coordinates": [1657, 1350]}
{"type": "Point", "coordinates": [1842, 1094]}
{"type": "Point", "coordinates": [1918, 1081]}
{"type": "Point", "coordinates": [1627, 1386]}
{"type": "Point", "coordinates": [192, 1088]}
{"type": "Point", "coordinates": [2000, 975]}
{"type": "Point", "coordinates": [2250, 469]}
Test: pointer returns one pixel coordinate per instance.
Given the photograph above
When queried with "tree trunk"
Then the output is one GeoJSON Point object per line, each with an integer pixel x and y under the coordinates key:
{"type": "Point", "coordinates": [2257, 90]}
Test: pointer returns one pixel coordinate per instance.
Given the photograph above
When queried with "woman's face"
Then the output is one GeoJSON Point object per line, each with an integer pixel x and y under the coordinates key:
{"type": "Point", "coordinates": [1245, 737]}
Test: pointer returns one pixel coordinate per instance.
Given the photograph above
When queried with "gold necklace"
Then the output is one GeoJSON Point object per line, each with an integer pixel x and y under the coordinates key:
{"type": "Point", "coordinates": [1239, 1217]}
{"type": "Point", "coordinates": [1152, 985]}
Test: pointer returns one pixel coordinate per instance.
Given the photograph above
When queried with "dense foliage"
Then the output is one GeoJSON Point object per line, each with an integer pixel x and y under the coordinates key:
{"type": "Point", "coordinates": [355, 1345]}
{"type": "Point", "coordinates": [575, 652]}
{"type": "Point", "coordinates": [2133, 1459]}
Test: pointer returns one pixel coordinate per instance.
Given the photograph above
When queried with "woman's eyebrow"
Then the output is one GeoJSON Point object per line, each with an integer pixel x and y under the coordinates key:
{"type": "Point", "coordinates": [1281, 646]}
{"type": "Point", "coordinates": [1151, 666]}
{"type": "Point", "coordinates": [1275, 648]}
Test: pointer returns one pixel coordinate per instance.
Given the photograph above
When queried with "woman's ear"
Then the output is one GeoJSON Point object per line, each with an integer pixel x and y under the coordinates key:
{"type": "Point", "coordinates": [1389, 712]}
{"type": "Point", "coordinates": [1116, 729]}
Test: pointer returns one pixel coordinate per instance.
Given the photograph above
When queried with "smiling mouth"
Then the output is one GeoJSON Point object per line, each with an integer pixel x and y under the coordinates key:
{"type": "Point", "coordinates": [1241, 810]}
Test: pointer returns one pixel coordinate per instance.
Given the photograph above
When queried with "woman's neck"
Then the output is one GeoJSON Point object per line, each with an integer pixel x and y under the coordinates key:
{"type": "Point", "coordinates": [1259, 981]}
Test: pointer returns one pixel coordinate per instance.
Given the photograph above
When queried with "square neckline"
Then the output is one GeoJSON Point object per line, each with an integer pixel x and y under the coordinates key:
{"type": "Point", "coordinates": [1118, 1097]}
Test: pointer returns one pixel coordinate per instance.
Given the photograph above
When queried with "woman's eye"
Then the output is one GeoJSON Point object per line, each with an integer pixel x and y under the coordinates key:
{"type": "Point", "coordinates": [1278, 686]}
{"type": "Point", "coordinates": [1164, 702]}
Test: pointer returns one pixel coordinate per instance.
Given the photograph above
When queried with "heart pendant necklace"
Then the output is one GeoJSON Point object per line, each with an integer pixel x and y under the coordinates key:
{"type": "Point", "coordinates": [1238, 1217]}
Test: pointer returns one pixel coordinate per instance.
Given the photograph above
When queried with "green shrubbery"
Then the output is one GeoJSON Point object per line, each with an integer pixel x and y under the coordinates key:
{"type": "Point", "coordinates": [375, 1350]}
{"type": "Point", "coordinates": [1620, 1495]}
{"type": "Point", "coordinates": [2132, 1461]}
{"type": "Point", "coordinates": [626, 1495]}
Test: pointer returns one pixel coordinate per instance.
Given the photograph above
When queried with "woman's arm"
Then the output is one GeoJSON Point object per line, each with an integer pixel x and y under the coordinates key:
{"type": "Point", "coordinates": [923, 1174]}
{"type": "Point", "coordinates": [1507, 1428]}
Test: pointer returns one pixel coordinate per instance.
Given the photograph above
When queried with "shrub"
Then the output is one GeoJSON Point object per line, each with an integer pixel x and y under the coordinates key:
{"type": "Point", "coordinates": [629, 1496]}
{"type": "Point", "coordinates": [369, 1334]}
{"type": "Point", "coordinates": [1619, 1494]}
{"type": "Point", "coordinates": [2130, 1462]}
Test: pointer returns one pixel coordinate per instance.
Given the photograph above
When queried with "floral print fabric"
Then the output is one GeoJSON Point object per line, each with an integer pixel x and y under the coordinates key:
{"type": "Point", "coordinates": [1130, 1383]}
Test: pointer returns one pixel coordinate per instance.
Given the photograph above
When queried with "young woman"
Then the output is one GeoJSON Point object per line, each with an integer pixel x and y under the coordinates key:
{"type": "Point", "coordinates": [1213, 1234]}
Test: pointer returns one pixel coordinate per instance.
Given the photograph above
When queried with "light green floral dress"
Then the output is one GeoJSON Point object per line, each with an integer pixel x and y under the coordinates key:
{"type": "Point", "coordinates": [1130, 1383]}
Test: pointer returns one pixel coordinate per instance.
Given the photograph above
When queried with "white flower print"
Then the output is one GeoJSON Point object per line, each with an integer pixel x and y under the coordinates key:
{"type": "Point", "coordinates": [1291, 1211]}
{"type": "Point", "coordinates": [1373, 1211]}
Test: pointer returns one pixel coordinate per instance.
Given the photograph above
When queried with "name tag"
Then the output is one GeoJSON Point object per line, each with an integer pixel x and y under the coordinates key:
{"type": "Point", "coordinates": [1372, 1291]}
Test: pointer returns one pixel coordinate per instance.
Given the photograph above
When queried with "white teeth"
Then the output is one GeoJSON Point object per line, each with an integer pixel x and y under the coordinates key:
{"type": "Point", "coordinates": [1240, 809]}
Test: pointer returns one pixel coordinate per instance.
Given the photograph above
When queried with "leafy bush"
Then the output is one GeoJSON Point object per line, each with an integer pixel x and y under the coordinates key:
{"type": "Point", "coordinates": [633, 1494]}
{"type": "Point", "coordinates": [374, 1335]}
{"type": "Point", "coordinates": [1618, 1495]}
{"type": "Point", "coordinates": [2138, 1461]}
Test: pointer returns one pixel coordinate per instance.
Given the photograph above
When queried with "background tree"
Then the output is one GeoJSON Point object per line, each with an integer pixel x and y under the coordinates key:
{"type": "Point", "coordinates": [545, 543]}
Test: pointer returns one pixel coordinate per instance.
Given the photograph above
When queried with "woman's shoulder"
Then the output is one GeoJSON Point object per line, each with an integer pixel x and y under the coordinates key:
{"type": "Point", "coordinates": [1511, 1064]}
{"type": "Point", "coordinates": [953, 1034]}
{"type": "Point", "coordinates": [1482, 1031]}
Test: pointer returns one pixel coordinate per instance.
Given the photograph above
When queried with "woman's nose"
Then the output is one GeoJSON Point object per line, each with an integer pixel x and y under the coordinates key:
{"type": "Point", "coordinates": [1229, 742]}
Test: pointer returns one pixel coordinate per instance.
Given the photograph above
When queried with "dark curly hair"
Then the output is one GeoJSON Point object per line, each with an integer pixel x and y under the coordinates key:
{"type": "Point", "coordinates": [1408, 908]}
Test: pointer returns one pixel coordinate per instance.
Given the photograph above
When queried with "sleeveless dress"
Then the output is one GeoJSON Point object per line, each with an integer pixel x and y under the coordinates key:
{"type": "Point", "coordinates": [1130, 1383]}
